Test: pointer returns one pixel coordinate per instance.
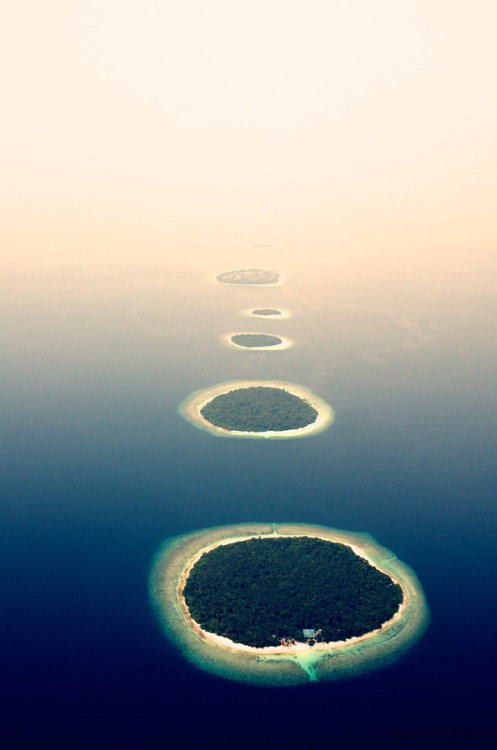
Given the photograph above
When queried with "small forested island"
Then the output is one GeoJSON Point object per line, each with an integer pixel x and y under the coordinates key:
{"type": "Point", "coordinates": [259, 409]}
{"type": "Point", "coordinates": [270, 592]}
{"type": "Point", "coordinates": [255, 340]}
{"type": "Point", "coordinates": [249, 276]}
{"type": "Point", "coordinates": [266, 311]}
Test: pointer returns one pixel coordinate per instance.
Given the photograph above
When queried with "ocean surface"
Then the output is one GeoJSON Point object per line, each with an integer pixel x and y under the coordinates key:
{"type": "Point", "coordinates": [98, 469]}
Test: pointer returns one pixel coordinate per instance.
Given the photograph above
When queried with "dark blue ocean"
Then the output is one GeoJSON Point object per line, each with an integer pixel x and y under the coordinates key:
{"type": "Point", "coordinates": [98, 469]}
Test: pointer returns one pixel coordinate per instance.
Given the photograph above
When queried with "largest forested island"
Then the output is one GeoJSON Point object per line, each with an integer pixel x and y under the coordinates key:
{"type": "Point", "coordinates": [266, 415]}
{"type": "Point", "coordinates": [292, 597]}
{"type": "Point", "coordinates": [259, 409]}
{"type": "Point", "coordinates": [270, 592]}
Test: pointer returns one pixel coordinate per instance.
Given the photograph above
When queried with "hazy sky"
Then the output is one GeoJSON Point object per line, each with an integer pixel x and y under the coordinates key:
{"type": "Point", "coordinates": [348, 128]}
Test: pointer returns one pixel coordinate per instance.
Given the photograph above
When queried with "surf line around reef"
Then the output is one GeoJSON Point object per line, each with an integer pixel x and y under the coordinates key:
{"type": "Point", "coordinates": [190, 409]}
{"type": "Point", "coordinates": [283, 665]}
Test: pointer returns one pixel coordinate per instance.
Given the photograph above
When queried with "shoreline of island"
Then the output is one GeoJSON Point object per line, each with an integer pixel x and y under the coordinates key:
{"type": "Point", "coordinates": [191, 408]}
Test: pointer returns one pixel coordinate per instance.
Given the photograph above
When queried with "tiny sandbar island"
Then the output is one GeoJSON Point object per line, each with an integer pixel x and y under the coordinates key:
{"type": "Point", "coordinates": [257, 409]}
{"type": "Point", "coordinates": [250, 277]}
{"type": "Point", "coordinates": [283, 604]}
{"type": "Point", "coordinates": [256, 341]}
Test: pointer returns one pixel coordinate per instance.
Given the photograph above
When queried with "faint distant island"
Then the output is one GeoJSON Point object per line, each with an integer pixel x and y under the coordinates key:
{"type": "Point", "coordinates": [266, 311]}
{"type": "Point", "coordinates": [249, 276]}
{"type": "Point", "coordinates": [280, 591]}
{"type": "Point", "coordinates": [255, 340]}
{"type": "Point", "coordinates": [259, 409]}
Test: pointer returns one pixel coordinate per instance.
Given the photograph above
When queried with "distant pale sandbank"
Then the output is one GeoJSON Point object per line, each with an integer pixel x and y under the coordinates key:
{"type": "Point", "coordinates": [214, 278]}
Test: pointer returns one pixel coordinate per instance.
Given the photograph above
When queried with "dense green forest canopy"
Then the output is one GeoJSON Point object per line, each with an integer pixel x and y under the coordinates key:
{"type": "Point", "coordinates": [259, 409]}
{"type": "Point", "coordinates": [249, 276]}
{"type": "Point", "coordinates": [251, 340]}
{"type": "Point", "coordinates": [266, 311]}
{"type": "Point", "coordinates": [264, 591]}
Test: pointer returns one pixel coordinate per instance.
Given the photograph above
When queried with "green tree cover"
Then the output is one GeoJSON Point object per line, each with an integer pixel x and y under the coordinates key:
{"type": "Point", "coordinates": [259, 409]}
{"type": "Point", "coordinates": [255, 339]}
{"type": "Point", "coordinates": [266, 311]}
{"type": "Point", "coordinates": [261, 592]}
{"type": "Point", "coordinates": [249, 276]}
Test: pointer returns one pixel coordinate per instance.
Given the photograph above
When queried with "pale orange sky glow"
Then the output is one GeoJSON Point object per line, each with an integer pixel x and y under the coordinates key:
{"type": "Point", "coordinates": [358, 132]}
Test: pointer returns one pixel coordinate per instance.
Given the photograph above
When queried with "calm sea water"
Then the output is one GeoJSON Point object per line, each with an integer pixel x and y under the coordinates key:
{"type": "Point", "coordinates": [98, 469]}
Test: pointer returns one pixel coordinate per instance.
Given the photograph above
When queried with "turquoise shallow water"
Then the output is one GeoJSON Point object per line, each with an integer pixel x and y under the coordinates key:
{"type": "Point", "coordinates": [98, 469]}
